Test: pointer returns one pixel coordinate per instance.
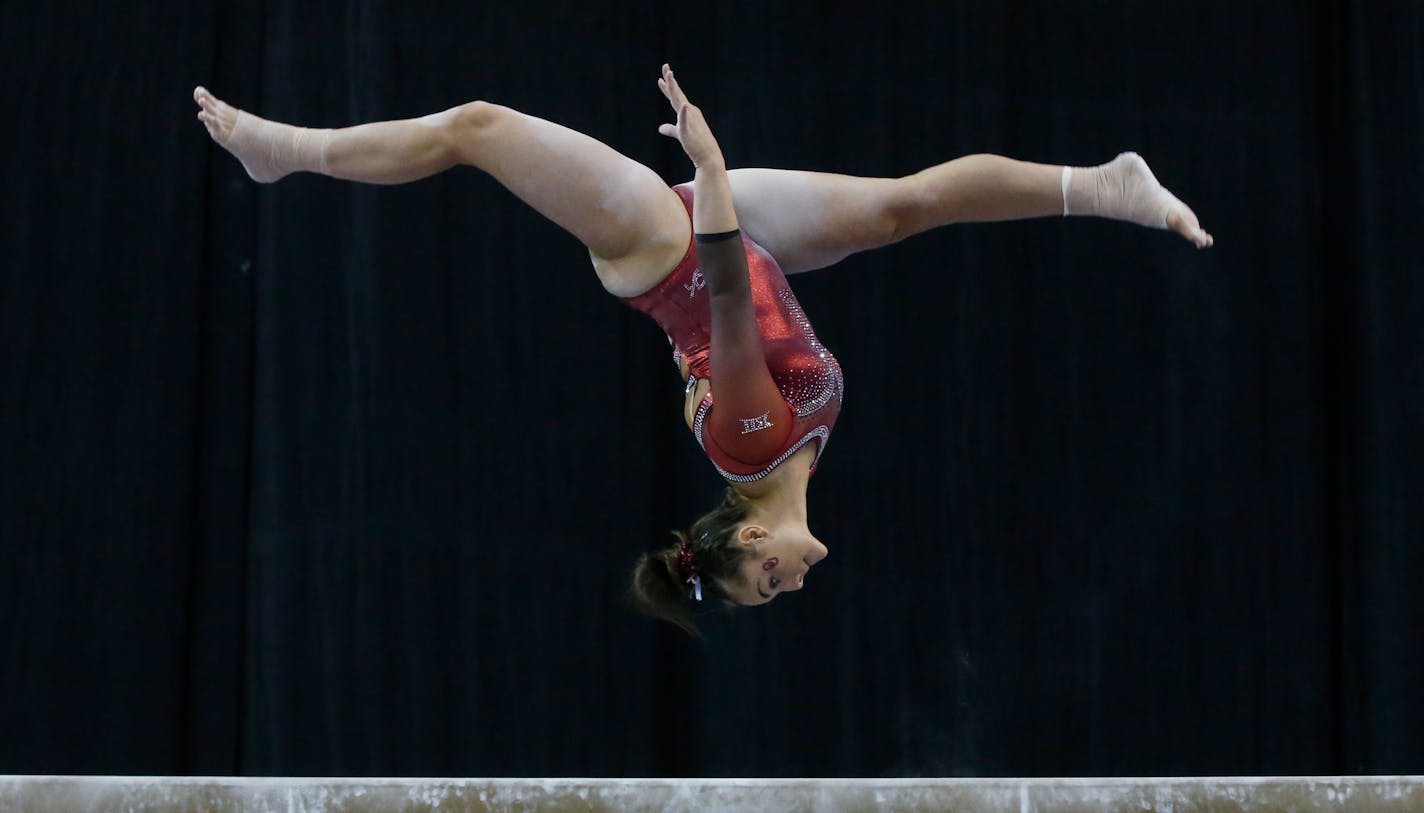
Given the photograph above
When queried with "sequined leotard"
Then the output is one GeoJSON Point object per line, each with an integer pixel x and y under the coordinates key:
{"type": "Point", "coordinates": [766, 424]}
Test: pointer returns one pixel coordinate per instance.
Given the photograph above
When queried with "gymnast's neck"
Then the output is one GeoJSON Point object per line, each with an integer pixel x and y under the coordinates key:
{"type": "Point", "coordinates": [781, 495]}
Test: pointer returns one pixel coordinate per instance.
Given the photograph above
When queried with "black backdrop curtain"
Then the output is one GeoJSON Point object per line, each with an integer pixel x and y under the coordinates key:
{"type": "Point", "coordinates": [324, 479]}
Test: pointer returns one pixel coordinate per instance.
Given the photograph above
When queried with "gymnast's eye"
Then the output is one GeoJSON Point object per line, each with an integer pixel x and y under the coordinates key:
{"type": "Point", "coordinates": [774, 582]}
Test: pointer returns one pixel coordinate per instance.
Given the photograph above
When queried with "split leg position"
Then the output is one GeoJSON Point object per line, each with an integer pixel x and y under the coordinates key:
{"type": "Point", "coordinates": [635, 227]}
{"type": "Point", "coordinates": [809, 220]}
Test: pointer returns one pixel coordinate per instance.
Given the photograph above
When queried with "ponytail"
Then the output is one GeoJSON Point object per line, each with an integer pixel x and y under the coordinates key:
{"type": "Point", "coordinates": [661, 587]}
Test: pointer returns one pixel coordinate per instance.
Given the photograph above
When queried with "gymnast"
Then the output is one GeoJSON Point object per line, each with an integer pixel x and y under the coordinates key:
{"type": "Point", "coordinates": [708, 263]}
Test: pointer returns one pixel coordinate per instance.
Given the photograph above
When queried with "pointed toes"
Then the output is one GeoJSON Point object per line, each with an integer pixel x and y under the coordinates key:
{"type": "Point", "coordinates": [1184, 221]}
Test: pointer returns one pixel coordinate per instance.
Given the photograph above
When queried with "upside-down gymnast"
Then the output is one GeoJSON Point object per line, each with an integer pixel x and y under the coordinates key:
{"type": "Point", "coordinates": [708, 264]}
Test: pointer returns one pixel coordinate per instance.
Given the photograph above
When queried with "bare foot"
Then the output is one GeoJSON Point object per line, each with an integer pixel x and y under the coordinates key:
{"type": "Point", "coordinates": [1184, 222]}
{"type": "Point", "coordinates": [215, 114]}
{"type": "Point", "coordinates": [1125, 189]}
{"type": "Point", "coordinates": [268, 150]}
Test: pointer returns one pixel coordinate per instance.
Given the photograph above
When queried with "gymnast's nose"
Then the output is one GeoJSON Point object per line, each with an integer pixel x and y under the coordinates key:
{"type": "Point", "coordinates": [818, 552]}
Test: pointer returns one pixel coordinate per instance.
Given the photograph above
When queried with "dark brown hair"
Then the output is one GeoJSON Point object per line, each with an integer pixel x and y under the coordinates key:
{"type": "Point", "coordinates": [660, 587]}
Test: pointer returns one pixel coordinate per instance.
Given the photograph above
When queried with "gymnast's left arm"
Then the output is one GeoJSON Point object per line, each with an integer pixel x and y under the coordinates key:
{"type": "Point", "coordinates": [750, 420]}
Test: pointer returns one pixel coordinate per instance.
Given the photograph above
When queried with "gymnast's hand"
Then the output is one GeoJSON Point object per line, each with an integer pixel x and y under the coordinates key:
{"type": "Point", "coordinates": [691, 129]}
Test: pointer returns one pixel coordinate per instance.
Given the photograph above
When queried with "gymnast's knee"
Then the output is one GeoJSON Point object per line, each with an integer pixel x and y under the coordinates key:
{"type": "Point", "coordinates": [905, 209]}
{"type": "Point", "coordinates": [468, 121]}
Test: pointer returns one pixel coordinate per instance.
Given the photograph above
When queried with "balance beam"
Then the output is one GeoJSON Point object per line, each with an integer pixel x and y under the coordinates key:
{"type": "Point", "coordinates": [162, 794]}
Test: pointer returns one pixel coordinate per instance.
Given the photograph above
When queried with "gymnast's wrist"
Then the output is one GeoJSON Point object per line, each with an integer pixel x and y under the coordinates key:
{"type": "Point", "coordinates": [711, 164]}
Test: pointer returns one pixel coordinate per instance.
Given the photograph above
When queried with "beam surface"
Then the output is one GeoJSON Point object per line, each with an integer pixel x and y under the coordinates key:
{"type": "Point", "coordinates": [137, 794]}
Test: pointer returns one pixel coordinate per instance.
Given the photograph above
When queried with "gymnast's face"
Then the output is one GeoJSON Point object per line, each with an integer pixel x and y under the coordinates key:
{"type": "Point", "coordinates": [778, 563]}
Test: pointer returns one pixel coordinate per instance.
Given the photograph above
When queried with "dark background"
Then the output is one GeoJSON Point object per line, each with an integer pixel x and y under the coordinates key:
{"type": "Point", "coordinates": [324, 479]}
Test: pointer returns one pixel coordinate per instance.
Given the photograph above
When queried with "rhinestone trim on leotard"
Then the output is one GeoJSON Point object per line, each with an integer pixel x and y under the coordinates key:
{"type": "Point", "coordinates": [826, 383]}
{"type": "Point", "coordinates": [821, 433]}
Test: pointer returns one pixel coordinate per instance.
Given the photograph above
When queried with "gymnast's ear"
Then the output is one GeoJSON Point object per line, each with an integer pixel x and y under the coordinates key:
{"type": "Point", "coordinates": [751, 534]}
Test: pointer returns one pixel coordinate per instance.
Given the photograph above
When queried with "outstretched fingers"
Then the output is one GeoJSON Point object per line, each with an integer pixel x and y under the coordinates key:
{"type": "Point", "coordinates": [667, 83]}
{"type": "Point", "coordinates": [690, 130]}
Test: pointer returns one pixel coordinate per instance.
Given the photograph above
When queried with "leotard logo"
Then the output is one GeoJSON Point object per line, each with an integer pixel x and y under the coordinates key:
{"type": "Point", "coordinates": [698, 283]}
{"type": "Point", "coordinates": [760, 422]}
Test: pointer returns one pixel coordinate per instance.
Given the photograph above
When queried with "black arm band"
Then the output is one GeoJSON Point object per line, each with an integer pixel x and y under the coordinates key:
{"type": "Point", "coordinates": [725, 263]}
{"type": "Point", "coordinates": [716, 238]}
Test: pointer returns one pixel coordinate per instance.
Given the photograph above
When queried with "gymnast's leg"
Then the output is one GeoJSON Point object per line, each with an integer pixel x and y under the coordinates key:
{"type": "Point", "coordinates": [634, 225]}
{"type": "Point", "coordinates": [810, 220]}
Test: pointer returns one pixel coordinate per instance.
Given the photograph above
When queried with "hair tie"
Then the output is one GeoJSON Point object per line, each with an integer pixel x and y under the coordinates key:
{"type": "Point", "coordinates": [689, 569]}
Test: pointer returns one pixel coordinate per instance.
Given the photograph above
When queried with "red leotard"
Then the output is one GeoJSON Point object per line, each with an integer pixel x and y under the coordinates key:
{"type": "Point", "coordinates": [764, 420]}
